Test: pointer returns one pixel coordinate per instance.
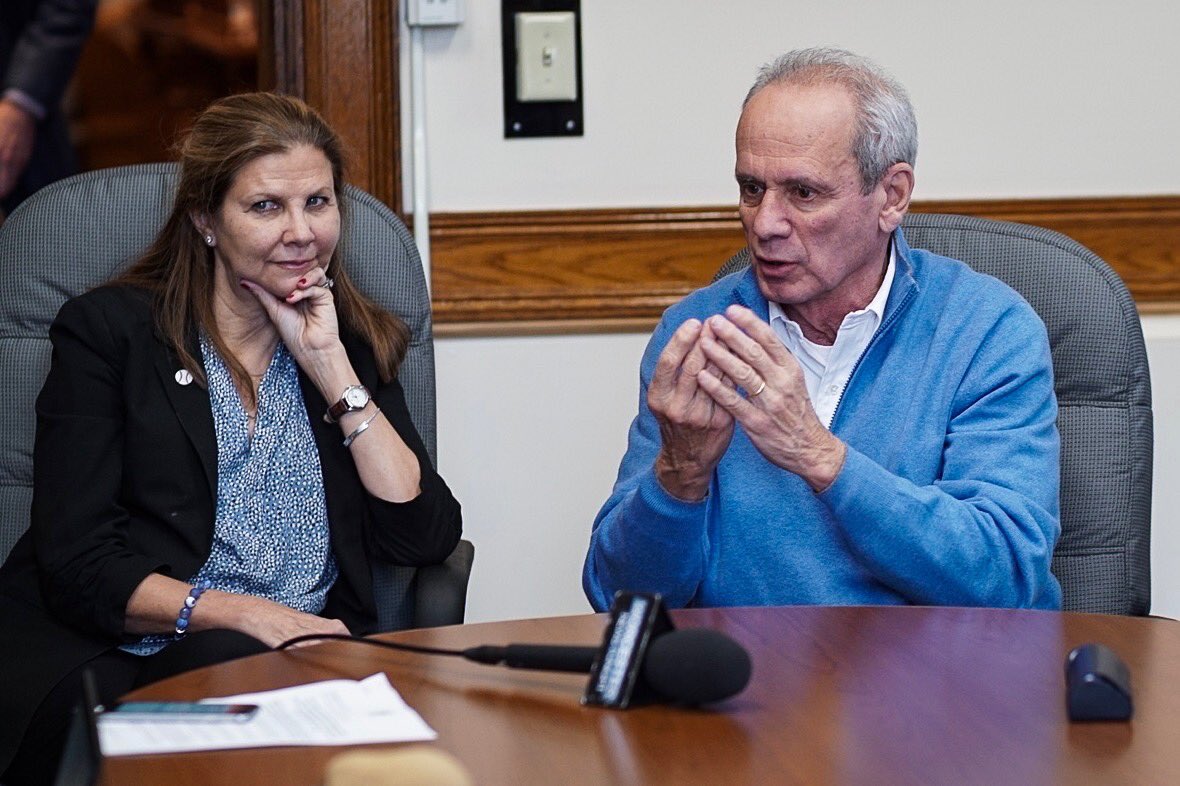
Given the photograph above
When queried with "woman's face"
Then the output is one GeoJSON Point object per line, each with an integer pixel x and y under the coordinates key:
{"type": "Point", "coordinates": [279, 220]}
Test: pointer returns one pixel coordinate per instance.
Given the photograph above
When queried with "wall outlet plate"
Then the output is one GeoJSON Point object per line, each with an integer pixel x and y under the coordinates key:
{"type": "Point", "coordinates": [433, 13]}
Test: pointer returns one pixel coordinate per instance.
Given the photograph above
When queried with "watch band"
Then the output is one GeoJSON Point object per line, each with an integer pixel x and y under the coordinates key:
{"type": "Point", "coordinates": [353, 398]}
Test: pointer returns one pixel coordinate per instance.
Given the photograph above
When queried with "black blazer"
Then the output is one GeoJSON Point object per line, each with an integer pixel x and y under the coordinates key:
{"type": "Point", "coordinates": [124, 485]}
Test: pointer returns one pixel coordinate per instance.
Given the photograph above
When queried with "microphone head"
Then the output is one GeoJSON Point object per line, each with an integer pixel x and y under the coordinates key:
{"type": "Point", "coordinates": [696, 666]}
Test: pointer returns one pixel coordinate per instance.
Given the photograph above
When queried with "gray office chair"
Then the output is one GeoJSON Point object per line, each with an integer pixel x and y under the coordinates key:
{"type": "Point", "coordinates": [1103, 559]}
{"type": "Point", "coordinates": [75, 233]}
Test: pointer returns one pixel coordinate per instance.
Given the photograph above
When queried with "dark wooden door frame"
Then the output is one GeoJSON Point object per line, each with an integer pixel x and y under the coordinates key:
{"type": "Point", "coordinates": [341, 56]}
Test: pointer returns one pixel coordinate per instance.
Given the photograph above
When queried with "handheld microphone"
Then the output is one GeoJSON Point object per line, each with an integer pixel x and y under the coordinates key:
{"type": "Point", "coordinates": [642, 658]}
{"type": "Point", "coordinates": [692, 666]}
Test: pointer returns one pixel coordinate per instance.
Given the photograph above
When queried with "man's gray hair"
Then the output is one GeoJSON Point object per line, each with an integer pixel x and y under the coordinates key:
{"type": "Point", "coordinates": [886, 129]}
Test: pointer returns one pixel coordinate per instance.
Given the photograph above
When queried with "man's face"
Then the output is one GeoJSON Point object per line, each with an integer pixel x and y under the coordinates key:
{"type": "Point", "coordinates": [815, 239]}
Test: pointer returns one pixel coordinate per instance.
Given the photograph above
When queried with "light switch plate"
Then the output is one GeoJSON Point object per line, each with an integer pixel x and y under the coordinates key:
{"type": "Point", "coordinates": [546, 57]}
{"type": "Point", "coordinates": [541, 51]}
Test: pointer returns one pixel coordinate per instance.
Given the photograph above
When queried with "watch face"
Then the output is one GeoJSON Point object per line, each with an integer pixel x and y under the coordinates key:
{"type": "Point", "coordinates": [356, 397]}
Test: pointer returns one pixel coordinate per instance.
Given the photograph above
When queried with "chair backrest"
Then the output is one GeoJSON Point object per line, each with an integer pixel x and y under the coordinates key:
{"type": "Point", "coordinates": [1103, 559]}
{"type": "Point", "coordinates": [76, 233]}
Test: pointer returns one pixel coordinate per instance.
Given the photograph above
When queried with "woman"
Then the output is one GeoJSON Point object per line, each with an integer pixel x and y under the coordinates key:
{"type": "Point", "coordinates": [222, 444]}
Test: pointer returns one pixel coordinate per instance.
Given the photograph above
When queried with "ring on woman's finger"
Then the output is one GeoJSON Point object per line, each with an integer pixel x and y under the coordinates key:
{"type": "Point", "coordinates": [758, 392]}
{"type": "Point", "coordinates": [327, 283]}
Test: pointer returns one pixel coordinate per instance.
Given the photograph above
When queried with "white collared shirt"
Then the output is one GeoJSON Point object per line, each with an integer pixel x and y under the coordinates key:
{"type": "Point", "coordinates": [826, 369]}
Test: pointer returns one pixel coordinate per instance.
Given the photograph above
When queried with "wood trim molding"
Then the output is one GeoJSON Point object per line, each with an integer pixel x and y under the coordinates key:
{"type": "Point", "coordinates": [620, 268]}
{"type": "Point", "coordinates": [341, 57]}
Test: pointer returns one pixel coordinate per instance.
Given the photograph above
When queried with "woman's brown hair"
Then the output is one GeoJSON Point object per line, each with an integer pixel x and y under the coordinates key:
{"type": "Point", "coordinates": [178, 266]}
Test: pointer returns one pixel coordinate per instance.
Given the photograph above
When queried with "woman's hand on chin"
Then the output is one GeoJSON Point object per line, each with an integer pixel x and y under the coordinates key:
{"type": "Point", "coordinates": [306, 318]}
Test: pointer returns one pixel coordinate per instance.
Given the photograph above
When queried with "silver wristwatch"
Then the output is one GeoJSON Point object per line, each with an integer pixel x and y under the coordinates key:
{"type": "Point", "coordinates": [353, 398]}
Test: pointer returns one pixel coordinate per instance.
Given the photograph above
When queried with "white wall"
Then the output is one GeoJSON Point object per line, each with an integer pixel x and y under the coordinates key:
{"type": "Point", "coordinates": [1014, 99]}
{"type": "Point", "coordinates": [531, 431]}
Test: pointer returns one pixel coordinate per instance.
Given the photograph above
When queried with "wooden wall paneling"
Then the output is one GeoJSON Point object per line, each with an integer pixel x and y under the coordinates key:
{"type": "Point", "coordinates": [280, 46]}
{"type": "Point", "coordinates": [1138, 236]}
{"type": "Point", "coordinates": [582, 270]}
{"type": "Point", "coordinates": [341, 57]}
{"type": "Point", "coordinates": [576, 265]}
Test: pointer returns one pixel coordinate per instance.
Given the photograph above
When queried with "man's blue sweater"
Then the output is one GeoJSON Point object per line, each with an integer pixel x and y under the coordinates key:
{"type": "Point", "coordinates": [948, 495]}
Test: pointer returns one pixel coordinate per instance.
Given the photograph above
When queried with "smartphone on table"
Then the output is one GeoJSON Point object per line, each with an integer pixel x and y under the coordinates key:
{"type": "Point", "coordinates": [181, 711]}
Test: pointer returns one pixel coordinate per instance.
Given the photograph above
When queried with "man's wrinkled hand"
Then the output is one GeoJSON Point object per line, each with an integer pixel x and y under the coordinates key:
{"type": "Point", "coordinates": [776, 413]}
{"type": "Point", "coordinates": [694, 431]}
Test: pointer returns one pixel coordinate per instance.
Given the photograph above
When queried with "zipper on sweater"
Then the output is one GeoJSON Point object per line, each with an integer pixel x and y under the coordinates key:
{"type": "Point", "coordinates": [886, 325]}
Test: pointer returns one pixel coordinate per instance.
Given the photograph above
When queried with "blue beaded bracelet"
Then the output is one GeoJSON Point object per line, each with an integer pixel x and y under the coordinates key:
{"type": "Point", "coordinates": [190, 603]}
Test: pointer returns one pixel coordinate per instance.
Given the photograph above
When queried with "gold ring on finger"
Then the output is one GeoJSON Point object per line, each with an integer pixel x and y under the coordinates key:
{"type": "Point", "coordinates": [758, 392]}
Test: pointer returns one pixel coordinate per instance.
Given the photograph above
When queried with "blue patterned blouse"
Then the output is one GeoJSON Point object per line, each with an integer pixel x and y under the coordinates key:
{"type": "Point", "coordinates": [270, 536]}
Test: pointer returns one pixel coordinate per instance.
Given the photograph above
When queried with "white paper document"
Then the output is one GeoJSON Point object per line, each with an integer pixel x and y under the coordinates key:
{"type": "Point", "coordinates": [333, 712]}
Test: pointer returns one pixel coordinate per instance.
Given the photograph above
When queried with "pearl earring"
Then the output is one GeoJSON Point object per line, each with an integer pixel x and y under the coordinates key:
{"type": "Point", "coordinates": [209, 240]}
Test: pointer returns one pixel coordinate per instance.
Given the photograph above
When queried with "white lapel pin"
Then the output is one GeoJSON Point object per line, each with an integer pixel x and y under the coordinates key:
{"type": "Point", "coordinates": [183, 377]}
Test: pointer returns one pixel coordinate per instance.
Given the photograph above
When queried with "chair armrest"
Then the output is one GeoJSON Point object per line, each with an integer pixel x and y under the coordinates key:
{"type": "Point", "coordinates": [440, 592]}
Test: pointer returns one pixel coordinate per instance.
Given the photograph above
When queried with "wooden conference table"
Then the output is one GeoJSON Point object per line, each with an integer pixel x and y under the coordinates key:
{"type": "Point", "coordinates": [838, 695]}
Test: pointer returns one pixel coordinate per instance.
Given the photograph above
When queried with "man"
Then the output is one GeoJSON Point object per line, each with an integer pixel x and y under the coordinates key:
{"type": "Point", "coordinates": [40, 42]}
{"type": "Point", "coordinates": [848, 420]}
